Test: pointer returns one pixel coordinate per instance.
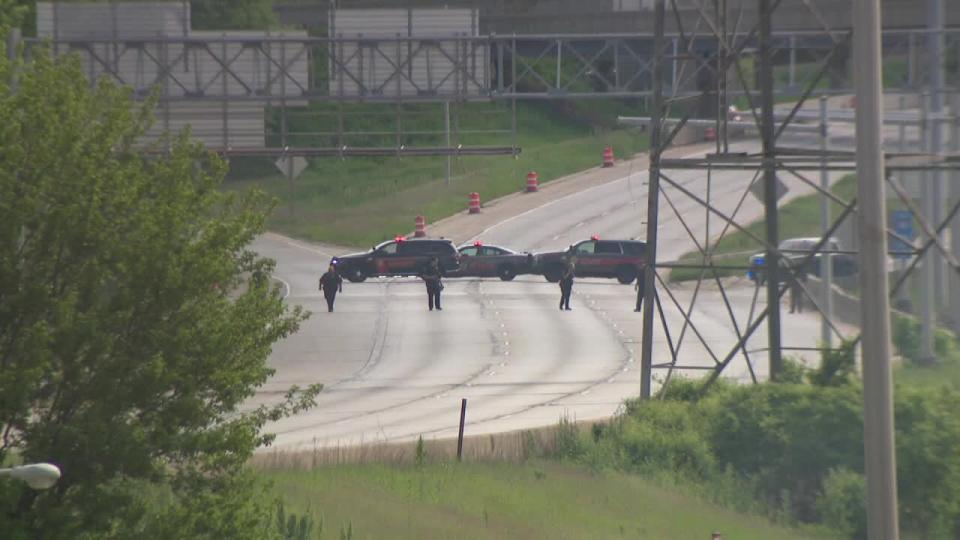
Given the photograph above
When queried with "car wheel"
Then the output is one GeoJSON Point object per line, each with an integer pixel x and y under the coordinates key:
{"type": "Point", "coordinates": [507, 272]}
{"type": "Point", "coordinates": [626, 274]}
{"type": "Point", "coordinates": [552, 273]}
{"type": "Point", "coordinates": [356, 275]}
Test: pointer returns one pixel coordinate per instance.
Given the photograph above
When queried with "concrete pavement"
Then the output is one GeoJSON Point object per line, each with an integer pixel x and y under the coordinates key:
{"type": "Point", "coordinates": [394, 371]}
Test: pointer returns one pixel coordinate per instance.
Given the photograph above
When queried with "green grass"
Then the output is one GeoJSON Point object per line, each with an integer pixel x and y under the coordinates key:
{"type": "Point", "coordinates": [945, 374]}
{"type": "Point", "coordinates": [360, 201]}
{"type": "Point", "coordinates": [541, 500]}
{"type": "Point", "coordinates": [798, 218]}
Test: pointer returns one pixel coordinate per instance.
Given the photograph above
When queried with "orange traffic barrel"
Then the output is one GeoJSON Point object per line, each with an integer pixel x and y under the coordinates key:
{"type": "Point", "coordinates": [608, 156]}
{"type": "Point", "coordinates": [533, 181]}
{"type": "Point", "coordinates": [710, 134]}
{"type": "Point", "coordinates": [474, 203]}
{"type": "Point", "coordinates": [420, 226]}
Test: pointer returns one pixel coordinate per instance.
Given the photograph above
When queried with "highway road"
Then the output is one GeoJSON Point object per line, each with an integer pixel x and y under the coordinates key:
{"type": "Point", "coordinates": [394, 371]}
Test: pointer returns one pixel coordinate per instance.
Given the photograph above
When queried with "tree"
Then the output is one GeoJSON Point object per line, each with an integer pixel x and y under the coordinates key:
{"type": "Point", "coordinates": [134, 320]}
{"type": "Point", "coordinates": [13, 14]}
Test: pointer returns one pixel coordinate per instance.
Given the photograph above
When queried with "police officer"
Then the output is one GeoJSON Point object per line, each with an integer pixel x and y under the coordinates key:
{"type": "Point", "coordinates": [431, 278]}
{"type": "Point", "coordinates": [798, 276]}
{"type": "Point", "coordinates": [331, 283]}
{"type": "Point", "coordinates": [641, 288]}
{"type": "Point", "coordinates": [566, 282]}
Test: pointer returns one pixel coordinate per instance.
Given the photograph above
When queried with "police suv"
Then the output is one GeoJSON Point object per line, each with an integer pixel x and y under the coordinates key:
{"type": "Point", "coordinates": [621, 259]}
{"type": "Point", "coordinates": [398, 257]}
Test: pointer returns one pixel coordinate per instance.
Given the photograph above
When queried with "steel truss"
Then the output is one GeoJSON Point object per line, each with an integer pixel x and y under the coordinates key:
{"type": "Point", "coordinates": [232, 79]}
{"type": "Point", "coordinates": [725, 64]}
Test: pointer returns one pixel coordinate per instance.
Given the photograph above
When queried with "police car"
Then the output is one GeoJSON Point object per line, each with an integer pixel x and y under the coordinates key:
{"type": "Point", "coordinates": [621, 259]}
{"type": "Point", "coordinates": [398, 257]}
{"type": "Point", "coordinates": [479, 260]}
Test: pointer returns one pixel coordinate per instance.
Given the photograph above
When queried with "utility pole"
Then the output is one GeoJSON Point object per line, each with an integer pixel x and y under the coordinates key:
{"type": "Point", "coordinates": [446, 129]}
{"type": "Point", "coordinates": [927, 269]}
{"type": "Point", "coordinates": [935, 16]}
{"type": "Point", "coordinates": [878, 436]}
{"type": "Point", "coordinates": [826, 267]}
{"type": "Point", "coordinates": [653, 202]}
{"type": "Point", "coordinates": [768, 136]}
{"type": "Point", "coordinates": [955, 226]}
{"type": "Point", "coordinates": [13, 46]}
{"type": "Point", "coordinates": [903, 294]}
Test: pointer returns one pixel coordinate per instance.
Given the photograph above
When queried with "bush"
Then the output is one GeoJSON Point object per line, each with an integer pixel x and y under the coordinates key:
{"type": "Point", "coordinates": [787, 436]}
{"type": "Point", "coordinates": [796, 448]}
{"type": "Point", "coordinates": [664, 435]}
{"type": "Point", "coordinates": [842, 505]}
{"type": "Point", "coordinates": [838, 367]}
{"type": "Point", "coordinates": [792, 371]}
{"type": "Point", "coordinates": [928, 468]}
{"type": "Point", "coordinates": [906, 338]}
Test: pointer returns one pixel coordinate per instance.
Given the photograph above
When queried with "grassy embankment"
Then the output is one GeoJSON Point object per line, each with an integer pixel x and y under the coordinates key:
{"type": "Point", "coordinates": [360, 201]}
{"type": "Point", "coordinates": [534, 500]}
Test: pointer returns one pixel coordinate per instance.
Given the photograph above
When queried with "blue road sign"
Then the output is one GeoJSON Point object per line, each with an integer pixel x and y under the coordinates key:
{"type": "Point", "coordinates": [901, 221]}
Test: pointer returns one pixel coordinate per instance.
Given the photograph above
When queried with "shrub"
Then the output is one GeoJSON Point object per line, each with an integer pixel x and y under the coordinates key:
{"type": "Point", "coordinates": [567, 439]}
{"type": "Point", "coordinates": [842, 505]}
{"type": "Point", "coordinates": [792, 371]}
{"type": "Point", "coordinates": [928, 468]}
{"type": "Point", "coordinates": [838, 367]}
{"type": "Point", "coordinates": [787, 437]}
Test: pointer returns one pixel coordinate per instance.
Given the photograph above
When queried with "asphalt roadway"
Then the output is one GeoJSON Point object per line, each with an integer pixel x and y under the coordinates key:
{"type": "Point", "coordinates": [394, 371]}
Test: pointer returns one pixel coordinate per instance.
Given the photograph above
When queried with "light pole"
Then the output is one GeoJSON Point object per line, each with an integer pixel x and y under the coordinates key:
{"type": "Point", "coordinates": [35, 475]}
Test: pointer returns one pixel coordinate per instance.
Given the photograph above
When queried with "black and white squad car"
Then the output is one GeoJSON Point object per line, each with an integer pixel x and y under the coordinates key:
{"type": "Point", "coordinates": [479, 260]}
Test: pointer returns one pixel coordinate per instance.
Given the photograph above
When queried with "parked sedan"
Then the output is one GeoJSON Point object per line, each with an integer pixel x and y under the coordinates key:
{"type": "Point", "coordinates": [797, 249]}
{"type": "Point", "coordinates": [478, 260]}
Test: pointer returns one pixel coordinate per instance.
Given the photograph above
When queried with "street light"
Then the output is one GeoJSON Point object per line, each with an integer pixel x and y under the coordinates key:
{"type": "Point", "coordinates": [36, 475]}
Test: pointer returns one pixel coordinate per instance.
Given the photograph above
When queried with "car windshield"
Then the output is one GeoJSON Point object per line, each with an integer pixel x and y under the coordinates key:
{"type": "Point", "coordinates": [585, 247]}
{"type": "Point", "coordinates": [389, 247]}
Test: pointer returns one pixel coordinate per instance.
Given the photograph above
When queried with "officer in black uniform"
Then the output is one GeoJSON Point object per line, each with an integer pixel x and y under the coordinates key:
{"type": "Point", "coordinates": [431, 278]}
{"type": "Point", "coordinates": [566, 282]}
{"type": "Point", "coordinates": [331, 283]}
{"type": "Point", "coordinates": [798, 276]}
{"type": "Point", "coordinates": [641, 288]}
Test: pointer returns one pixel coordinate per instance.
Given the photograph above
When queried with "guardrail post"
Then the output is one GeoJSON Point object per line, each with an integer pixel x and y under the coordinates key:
{"type": "Point", "coordinates": [463, 418]}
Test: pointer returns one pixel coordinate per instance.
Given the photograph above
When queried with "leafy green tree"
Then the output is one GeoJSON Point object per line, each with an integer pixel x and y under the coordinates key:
{"type": "Point", "coordinates": [134, 320]}
{"type": "Point", "coordinates": [13, 14]}
{"type": "Point", "coordinates": [232, 14]}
